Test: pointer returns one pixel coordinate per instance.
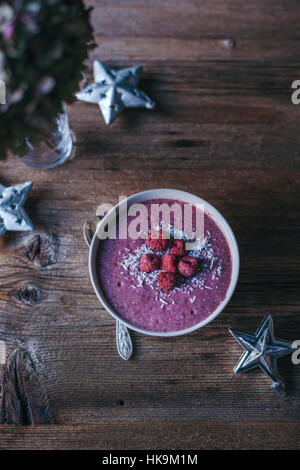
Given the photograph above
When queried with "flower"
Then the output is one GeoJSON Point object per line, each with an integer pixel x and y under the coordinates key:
{"type": "Point", "coordinates": [39, 67]}
{"type": "Point", "coordinates": [46, 85]}
{"type": "Point", "coordinates": [8, 30]}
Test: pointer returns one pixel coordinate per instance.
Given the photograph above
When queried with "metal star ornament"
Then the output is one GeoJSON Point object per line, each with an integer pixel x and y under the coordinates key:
{"type": "Point", "coordinates": [262, 350]}
{"type": "Point", "coordinates": [12, 214]}
{"type": "Point", "coordinates": [113, 90]}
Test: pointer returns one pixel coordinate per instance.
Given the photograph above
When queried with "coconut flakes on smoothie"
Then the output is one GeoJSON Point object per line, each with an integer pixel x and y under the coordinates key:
{"type": "Point", "coordinates": [134, 274]}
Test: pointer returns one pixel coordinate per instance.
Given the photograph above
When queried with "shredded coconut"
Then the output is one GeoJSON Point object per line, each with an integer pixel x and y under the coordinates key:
{"type": "Point", "coordinates": [131, 260]}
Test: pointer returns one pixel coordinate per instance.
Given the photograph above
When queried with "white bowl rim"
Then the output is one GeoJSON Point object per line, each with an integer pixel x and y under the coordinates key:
{"type": "Point", "coordinates": [184, 196]}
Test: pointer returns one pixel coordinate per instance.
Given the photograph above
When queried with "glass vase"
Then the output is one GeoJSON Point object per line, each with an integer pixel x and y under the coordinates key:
{"type": "Point", "coordinates": [56, 147]}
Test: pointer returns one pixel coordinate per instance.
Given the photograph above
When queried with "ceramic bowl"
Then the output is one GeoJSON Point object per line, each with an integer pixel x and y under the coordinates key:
{"type": "Point", "coordinates": [188, 198]}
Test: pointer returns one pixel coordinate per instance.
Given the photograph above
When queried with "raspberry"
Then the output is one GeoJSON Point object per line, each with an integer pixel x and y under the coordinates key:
{"type": "Point", "coordinates": [166, 280]}
{"type": "Point", "coordinates": [169, 263]}
{"type": "Point", "coordinates": [149, 262]}
{"type": "Point", "coordinates": [178, 248]}
{"type": "Point", "coordinates": [159, 243]}
{"type": "Point", "coordinates": [187, 266]}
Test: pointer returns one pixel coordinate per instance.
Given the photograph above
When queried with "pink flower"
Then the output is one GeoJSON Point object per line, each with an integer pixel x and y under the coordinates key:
{"type": "Point", "coordinates": [46, 85]}
{"type": "Point", "coordinates": [16, 96]}
{"type": "Point", "coordinates": [30, 23]}
{"type": "Point", "coordinates": [8, 30]}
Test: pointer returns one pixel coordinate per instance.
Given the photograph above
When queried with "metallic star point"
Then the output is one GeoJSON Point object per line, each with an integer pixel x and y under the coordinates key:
{"type": "Point", "coordinates": [113, 90]}
{"type": "Point", "coordinates": [12, 215]}
{"type": "Point", "coordinates": [262, 350]}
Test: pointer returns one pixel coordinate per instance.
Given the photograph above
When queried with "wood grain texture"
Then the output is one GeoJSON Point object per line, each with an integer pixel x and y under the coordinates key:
{"type": "Point", "coordinates": [225, 129]}
{"type": "Point", "coordinates": [23, 400]}
{"type": "Point", "coordinates": [218, 436]}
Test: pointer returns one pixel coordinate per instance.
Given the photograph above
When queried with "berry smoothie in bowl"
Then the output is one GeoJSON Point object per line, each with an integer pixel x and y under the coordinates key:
{"type": "Point", "coordinates": [164, 262]}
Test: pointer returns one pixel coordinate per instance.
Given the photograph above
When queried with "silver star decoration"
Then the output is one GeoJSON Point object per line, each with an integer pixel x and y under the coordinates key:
{"type": "Point", "coordinates": [12, 214]}
{"type": "Point", "coordinates": [114, 90]}
{"type": "Point", "coordinates": [262, 350]}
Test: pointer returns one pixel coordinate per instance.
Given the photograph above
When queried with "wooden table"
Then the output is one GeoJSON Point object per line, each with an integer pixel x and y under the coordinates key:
{"type": "Point", "coordinates": [224, 128]}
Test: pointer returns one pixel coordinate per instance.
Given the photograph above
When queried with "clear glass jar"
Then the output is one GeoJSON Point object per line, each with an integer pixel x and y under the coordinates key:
{"type": "Point", "coordinates": [55, 148]}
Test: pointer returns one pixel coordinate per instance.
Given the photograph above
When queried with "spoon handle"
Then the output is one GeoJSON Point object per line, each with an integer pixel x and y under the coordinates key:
{"type": "Point", "coordinates": [124, 343]}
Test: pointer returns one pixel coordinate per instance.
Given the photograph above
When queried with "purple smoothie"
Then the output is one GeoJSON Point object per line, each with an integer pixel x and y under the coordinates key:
{"type": "Point", "coordinates": [137, 297]}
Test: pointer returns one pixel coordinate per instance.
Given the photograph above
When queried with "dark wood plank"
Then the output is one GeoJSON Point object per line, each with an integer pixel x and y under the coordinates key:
{"type": "Point", "coordinates": [196, 18]}
{"type": "Point", "coordinates": [229, 436]}
{"type": "Point", "coordinates": [225, 129]}
{"type": "Point", "coordinates": [23, 398]}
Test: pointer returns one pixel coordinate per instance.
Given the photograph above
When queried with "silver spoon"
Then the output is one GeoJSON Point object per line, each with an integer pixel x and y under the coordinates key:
{"type": "Point", "coordinates": [124, 343]}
